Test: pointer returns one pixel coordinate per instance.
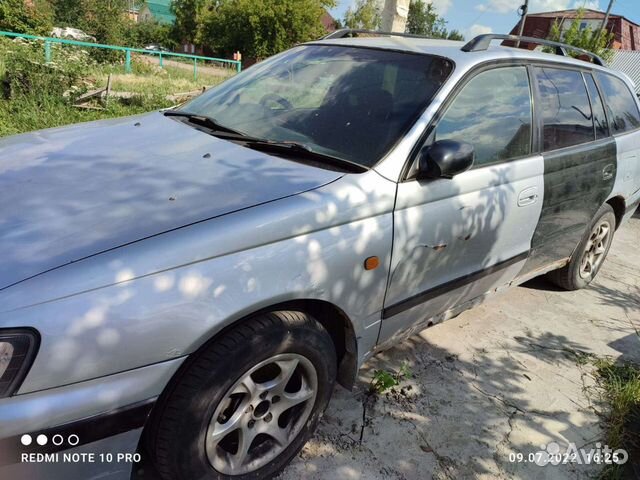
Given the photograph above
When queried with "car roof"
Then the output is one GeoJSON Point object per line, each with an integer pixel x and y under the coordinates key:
{"type": "Point", "coordinates": [453, 50]}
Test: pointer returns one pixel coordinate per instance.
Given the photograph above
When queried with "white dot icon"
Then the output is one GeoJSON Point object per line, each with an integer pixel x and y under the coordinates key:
{"type": "Point", "coordinates": [42, 439]}
{"type": "Point", "coordinates": [26, 440]}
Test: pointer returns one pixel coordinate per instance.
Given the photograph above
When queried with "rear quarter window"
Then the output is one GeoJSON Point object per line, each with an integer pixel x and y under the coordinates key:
{"type": "Point", "coordinates": [621, 104]}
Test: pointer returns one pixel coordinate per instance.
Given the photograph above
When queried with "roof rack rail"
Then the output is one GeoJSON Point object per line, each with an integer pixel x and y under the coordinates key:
{"type": "Point", "coordinates": [482, 42]}
{"type": "Point", "coordinates": [350, 32]}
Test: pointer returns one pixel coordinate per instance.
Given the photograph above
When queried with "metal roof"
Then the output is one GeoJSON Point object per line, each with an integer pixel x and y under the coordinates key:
{"type": "Point", "coordinates": [161, 10]}
{"type": "Point", "coordinates": [453, 50]}
{"type": "Point", "coordinates": [627, 61]}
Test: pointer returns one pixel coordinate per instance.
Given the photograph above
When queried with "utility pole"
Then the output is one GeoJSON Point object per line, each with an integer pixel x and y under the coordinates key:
{"type": "Point", "coordinates": [524, 9]}
{"type": "Point", "coordinates": [394, 15]}
{"type": "Point", "coordinates": [605, 21]}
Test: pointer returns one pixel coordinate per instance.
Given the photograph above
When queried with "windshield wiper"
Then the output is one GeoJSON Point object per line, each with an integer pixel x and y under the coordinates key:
{"type": "Point", "coordinates": [295, 149]}
{"type": "Point", "coordinates": [301, 150]}
{"type": "Point", "coordinates": [207, 122]}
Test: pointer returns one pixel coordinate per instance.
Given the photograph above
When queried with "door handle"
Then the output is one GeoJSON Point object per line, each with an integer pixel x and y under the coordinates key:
{"type": "Point", "coordinates": [528, 196]}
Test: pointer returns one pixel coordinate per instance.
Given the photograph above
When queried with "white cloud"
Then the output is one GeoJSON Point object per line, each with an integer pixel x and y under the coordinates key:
{"type": "Point", "coordinates": [442, 6]}
{"type": "Point", "coordinates": [478, 29]}
{"type": "Point", "coordinates": [509, 6]}
{"type": "Point", "coordinates": [592, 4]}
{"type": "Point", "coordinates": [498, 6]}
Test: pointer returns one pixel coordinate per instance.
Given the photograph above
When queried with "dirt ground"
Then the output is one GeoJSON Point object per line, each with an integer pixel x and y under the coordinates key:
{"type": "Point", "coordinates": [507, 377]}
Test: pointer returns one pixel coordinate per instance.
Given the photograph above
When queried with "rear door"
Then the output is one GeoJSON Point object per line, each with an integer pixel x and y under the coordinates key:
{"type": "Point", "coordinates": [579, 162]}
{"type": "Point", "coordinates": [456, 239]}
{"type": "Point", "coordinates": [624, 121]}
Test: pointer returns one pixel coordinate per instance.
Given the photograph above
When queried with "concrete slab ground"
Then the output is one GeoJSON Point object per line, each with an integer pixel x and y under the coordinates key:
{"type": "Point", "coordinates": [505, 378]}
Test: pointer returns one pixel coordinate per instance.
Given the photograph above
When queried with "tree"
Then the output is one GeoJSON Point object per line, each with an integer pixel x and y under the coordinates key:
{"type": "Point", "coordinates": [585, 38]}
{"type": "Point", "coordinates": [69, 13]}
{"type": "Point", "coordinates": [188, 13]}
{"type": "Point", "coordinates": [455, 35]}
{"type": "Point", "coordinates": [106, 20]}
{"type": "Point", "coordinates": [260, 28]}
{"type": "Point", "coordinates": [365, 16]}
{"type": "Point", "coordinates": [424, 20]}
{"type": "Point", "coordinates": [16, 16]}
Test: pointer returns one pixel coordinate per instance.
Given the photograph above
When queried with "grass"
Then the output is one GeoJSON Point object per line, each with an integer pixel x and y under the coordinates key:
{"type": "Point", "coordinates": [37, 110]}
{"type": "Point", "coordinates": [29, 113]}
{"type": "Point", "coordinates": [620, 384]}
{"type": "Point", "coordinates": [147, 77]}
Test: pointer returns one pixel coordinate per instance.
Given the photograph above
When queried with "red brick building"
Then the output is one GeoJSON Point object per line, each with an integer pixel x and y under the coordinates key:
{"type": "Point", "coordinates": [538, 25]}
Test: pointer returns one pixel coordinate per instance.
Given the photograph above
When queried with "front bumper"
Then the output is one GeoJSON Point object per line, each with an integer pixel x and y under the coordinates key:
{"type": "Point", "coordinates": [91, 428]}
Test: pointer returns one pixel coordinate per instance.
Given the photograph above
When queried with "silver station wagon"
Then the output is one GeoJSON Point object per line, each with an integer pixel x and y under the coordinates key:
{"type": "Point", "coordinates": [186, 287]}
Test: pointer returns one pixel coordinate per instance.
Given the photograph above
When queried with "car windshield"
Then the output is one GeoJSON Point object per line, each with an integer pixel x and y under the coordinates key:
{"type": "Point", "coordinates": [349, 103]}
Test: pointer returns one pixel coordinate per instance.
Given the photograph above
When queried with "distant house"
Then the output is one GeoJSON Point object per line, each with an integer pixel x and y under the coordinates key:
{"type": "Point", "coordinates": [329, 22]}
{"type": "Point", "coordinates": [158, 11]}
{"type": "Point", "coordinates": [538, 25]}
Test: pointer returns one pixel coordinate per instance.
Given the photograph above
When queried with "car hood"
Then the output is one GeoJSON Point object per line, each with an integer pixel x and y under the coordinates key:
{"type": "Point", "coordinates": [69, 193]}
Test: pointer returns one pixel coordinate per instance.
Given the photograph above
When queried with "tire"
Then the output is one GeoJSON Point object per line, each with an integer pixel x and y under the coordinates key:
{"type": "Point", "coordinates": [581, 269]}
{"type": "Point", "coordinates": [282, 358]}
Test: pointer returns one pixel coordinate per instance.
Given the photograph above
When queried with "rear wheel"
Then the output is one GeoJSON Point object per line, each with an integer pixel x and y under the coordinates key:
{"type": "Point", "coordinates": [590, 254]}
{"type": "Point", "coordinates": [246, 405]}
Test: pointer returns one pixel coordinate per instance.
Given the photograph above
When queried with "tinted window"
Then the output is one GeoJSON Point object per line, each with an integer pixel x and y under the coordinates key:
{"type": "Point", "coordinates": [351, 103]}
{"type": "Point", "coordinates": [492, 112]}
{"type": "Point", "coordinates": [565, 108]}
{"type": "Point", "coordinates": [599, 118]}
{"type": "Point", "coordinates": [621, 104]}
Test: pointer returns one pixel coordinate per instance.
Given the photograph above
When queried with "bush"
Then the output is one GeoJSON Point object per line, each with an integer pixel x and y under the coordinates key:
{"type": "Point", "coordinates": [27, 74]}
{"type": "Point", "coordinates": [17, 16]}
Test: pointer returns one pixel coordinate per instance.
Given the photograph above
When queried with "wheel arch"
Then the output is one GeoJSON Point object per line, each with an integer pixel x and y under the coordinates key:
{"type": "Point", "coordinates": [332, 318]}
{"type": "Point", "coordinates": [619, 205]}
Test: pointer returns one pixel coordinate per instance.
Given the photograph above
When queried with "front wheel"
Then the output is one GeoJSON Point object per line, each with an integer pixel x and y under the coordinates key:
{"type": "Point", "coordinates": [590, 254]}
{"type": "Point", "coordinates": [247, 404]}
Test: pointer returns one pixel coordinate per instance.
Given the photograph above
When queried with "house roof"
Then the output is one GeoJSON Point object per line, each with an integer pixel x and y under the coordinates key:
{"type": "Point", "coordinates": [588, 14]}
{"type": "Point", "coordinates": [161, 10]}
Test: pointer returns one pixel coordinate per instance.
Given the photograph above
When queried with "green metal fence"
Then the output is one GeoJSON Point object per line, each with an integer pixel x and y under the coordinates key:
{"type": "Point", "coordinates": [127, 51]}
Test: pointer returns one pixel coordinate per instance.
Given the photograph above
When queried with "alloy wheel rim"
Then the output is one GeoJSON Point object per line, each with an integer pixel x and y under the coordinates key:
{"type": "Point", "coordinates": [261, 414]}
{"type": "Point", "coordinates": [595, 250]}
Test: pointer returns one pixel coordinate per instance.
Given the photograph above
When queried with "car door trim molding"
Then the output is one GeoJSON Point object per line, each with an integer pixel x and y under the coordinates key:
{"type": "Point", "coordinates": [446, 287]}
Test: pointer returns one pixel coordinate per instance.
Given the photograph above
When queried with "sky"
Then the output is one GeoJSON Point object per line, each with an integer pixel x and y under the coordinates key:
{"type": "Point", "coordinates": [499, 16]}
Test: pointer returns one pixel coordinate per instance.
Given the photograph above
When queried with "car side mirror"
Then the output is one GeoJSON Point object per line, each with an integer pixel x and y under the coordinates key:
{"type": "Point", "coordinates": [445, 159]}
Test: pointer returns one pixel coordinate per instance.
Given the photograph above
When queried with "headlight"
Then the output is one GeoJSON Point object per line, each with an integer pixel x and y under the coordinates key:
{"type": "Point", "coordinates": [17, 351]}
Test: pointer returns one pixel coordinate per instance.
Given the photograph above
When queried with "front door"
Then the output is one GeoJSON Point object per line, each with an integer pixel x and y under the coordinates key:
{"type": "Point", "coordinates": [456, 239]}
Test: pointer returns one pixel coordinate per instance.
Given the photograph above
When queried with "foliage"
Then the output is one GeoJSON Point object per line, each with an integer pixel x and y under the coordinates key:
{"type": "Point", "coordinates": [35, 95]}
{"type": "Point", "coordinates": [424, 20]}
{"type": "Point", "coordinates": [27, 74]}
{"type": "Point", "coordinates": [146, 33]}
{"type": "Point", "coordinates": [384, 380]}
{"type": "Point", "coordinates": [620, 384]}
{"type": "Point", "coordinates": [69, 13]}
{"type": "Point", "coordinates": [187, 14]}
{"type": "Point", "coordinates": [260, 28]}
{"type": "Point", "coordinates": [365, 15]}
{"type": "Point", "coordinates": [586, 38]}
{"type": "Point", "coordinates": [17, 16]}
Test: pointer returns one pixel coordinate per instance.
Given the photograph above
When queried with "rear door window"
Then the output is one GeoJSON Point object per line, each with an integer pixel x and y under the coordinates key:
{"type": "Point", "coordinates": [621, 104]}
{"type": "Point", "coordinates": [565, 107]}
{"type": "Point", "coordinates": [493, 113]}
{"type": "Point", "coordinates": [599, 118]}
